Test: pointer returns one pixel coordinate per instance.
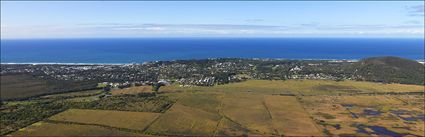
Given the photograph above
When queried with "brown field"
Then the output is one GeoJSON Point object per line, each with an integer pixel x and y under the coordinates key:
{"type": "Point", "coordinates": [252, 108]}
{"type": "Point", "coordinates": [306, 87]}
{"type": "Point", "coordinates": [118, 119]}
{"type": "Point", "coordinates": [132, 90]}
{"type": "Point", "coordinates": [144, 89]}
{"type": "Point", "coordinates": [227, 127]}
{"type": "Point", "coordinates": [59, 129]}
{"type": "Point", "coordinates": [248, 109]}
{"type": "Point", "coordinates": [206, 101]}
{"type": "Point", "coordinates": [183, 120]}
{"type": "Point", "coordinates": [341, 114]}
{"type": "Point", "coordinates": [289, 117]}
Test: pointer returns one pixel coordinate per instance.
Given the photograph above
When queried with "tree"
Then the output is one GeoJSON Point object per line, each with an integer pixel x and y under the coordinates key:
{"type": "Point", "coordinates": [156, 86]}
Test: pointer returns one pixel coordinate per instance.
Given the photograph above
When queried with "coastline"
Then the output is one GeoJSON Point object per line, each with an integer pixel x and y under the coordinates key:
{"type": "Point", "coordinates": [134, 63]}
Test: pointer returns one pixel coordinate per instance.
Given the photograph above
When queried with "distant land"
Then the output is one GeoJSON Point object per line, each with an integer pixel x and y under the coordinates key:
{"type": "Point", "coordinates": [139, 50]}
{"type": "Point", "coordinates": [207, 72]}
{"type": "Point", "coordinates": [215, 97]}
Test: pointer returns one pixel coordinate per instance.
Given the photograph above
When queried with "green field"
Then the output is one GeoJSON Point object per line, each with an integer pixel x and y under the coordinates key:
{"type": "Point", "coordinates": [253, 108]}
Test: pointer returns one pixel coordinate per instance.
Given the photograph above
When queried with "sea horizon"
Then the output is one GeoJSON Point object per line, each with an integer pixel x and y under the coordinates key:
{"type": "Point", "coordinates": [140, 50]}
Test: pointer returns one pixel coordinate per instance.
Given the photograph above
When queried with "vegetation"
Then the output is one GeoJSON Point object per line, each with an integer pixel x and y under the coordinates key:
{"type": "Point", "coordinates": [391, 70]}
{"type": "Point", "coordinates": [66, 129]}
{"type": "Point", "coordinates": [289, 117]}
{"type": "Point", "coordinates": [24, 86]}
{"type": "Point", "coordinates": [253, 107]}
{"type": "Point", "coordinates": [310, 87]}
{"type": "Point", "coordinates": [117, 119]}
{"type": "Point", "coordinates": [14, 116]}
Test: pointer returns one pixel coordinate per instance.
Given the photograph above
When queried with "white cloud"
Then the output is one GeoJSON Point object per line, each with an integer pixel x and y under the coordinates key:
{"type": "Point", "coordinates": [153, 30]}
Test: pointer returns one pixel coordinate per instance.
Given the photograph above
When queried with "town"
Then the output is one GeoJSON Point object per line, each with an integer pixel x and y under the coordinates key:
{"type": "Point", "coordinates": [206, 72]}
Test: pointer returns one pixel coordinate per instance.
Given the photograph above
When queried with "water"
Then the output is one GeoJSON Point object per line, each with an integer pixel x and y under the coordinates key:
{"type": "Point", "coordinates": [371, 112]}
{"type": "Point", "coordinates": [128, 50]}
{"type": "Point", "coordinates": [380, 131]}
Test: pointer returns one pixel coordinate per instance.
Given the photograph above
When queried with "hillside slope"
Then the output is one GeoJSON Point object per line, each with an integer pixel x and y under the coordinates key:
{"type": "Point", "coordinates": [390, 69]}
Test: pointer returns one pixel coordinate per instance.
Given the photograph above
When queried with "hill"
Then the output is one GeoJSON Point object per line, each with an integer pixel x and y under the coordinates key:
{"type": "Point", "coordinates": [390, 70]}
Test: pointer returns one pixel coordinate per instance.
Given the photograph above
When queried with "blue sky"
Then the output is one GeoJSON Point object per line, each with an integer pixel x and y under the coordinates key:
{"type": "Point", "coordinates": [79, 19]}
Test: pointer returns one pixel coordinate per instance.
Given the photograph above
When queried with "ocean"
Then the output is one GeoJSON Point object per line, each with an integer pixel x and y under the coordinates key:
{"type": "Point", "coordinates": [138, 50]}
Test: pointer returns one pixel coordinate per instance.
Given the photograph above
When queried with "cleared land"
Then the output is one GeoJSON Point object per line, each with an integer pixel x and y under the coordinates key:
{"type": "Point", "coordinates": [248, 109]}
{"type": "Point", "coordinates": [253, 108]}
{"type": "Point", "coordinates": [382, 115]}
{"type": "Point", "coordinates": [61, 129]}
{"type": "Point", "coordinates": [117, 119]}
{"type": "Point", "coordinates": [183, 120]}
{"type": "Point", "coordinates": [133, 90]}
{"type": "Point", "coordinates": [289, 117]}
{"type": "Point", "coordinates": [195, 113]}
{"type": "Point", "coordinates": [310, 87]}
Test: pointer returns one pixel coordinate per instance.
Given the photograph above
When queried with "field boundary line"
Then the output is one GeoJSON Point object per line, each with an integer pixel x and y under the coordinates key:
{"type": "Point", "coordinates": [270, 116]}
{"type": "Point", "coordinates": [297, 98]}
{"type": "Point", "coordinates": [120, 129]}
{"type": "Point", "coordinates": [219, 113]}
{"type": "Point", "coordinates": [149, 125]}
{"type": "Point", "coordinates": [99, 125]}
{"type": "Point", "coordinates": [7, 133]}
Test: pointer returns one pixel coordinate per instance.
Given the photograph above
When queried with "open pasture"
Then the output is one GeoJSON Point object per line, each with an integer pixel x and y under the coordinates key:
{"type": "Point", "coordinates": [253, 108]}
{"type": "Point", "coordinates": [132, 90]}
{"type": "Point", "coordinates": [249, 110]}
{"type": "Point", "coordinates": [118, 119]}
{"type": "Point", "coordinates": [309, 87]}
{"type": "Point", "coordinates": [289, 117]}
{"type": "Point", "coordinates": [199, 113]}
{"type": "Point", "coordinates": [61, 129]}
{"type": "Point", "coordinates": [365, 115]}
{"type": "Point", "coordinates": [184, 120]}
{"type": "Point", "coordinates": [206, 101]}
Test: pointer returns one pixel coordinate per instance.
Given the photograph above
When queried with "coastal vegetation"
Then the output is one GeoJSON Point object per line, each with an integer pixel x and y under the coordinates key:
{"type": "Point", "coordinates": [253, 107]}
{"type": "Point", "coordinates": [248, 106]}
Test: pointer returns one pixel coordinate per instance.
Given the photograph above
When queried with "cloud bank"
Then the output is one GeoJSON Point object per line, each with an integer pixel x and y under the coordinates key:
{"type": "Point", "coordinates": [201, 30]}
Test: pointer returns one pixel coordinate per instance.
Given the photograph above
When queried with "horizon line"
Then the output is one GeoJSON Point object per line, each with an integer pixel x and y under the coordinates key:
{"type": "Point", "coordinates": [224, 37]}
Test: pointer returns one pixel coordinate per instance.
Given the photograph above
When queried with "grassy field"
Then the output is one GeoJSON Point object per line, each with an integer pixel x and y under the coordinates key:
{"type": "Point", "coordinates": [133, 90]}
{"type": "Point", "coordinates": [310, 87]}
{"type": "Point", "coordinates": [183, 120]}
{"type": "Point", "coordinates": [61, 129]}
{"type": "Point", "coordinates": [289, 117]}
{"type": "Point", "coordinates": [248, 109]}
{"type": "Point", "coordinates": [252, 108]}
{"type": "Point", "coordinates": [117, 119]}
{"type": "Point", "coordinates": [345, 115]}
